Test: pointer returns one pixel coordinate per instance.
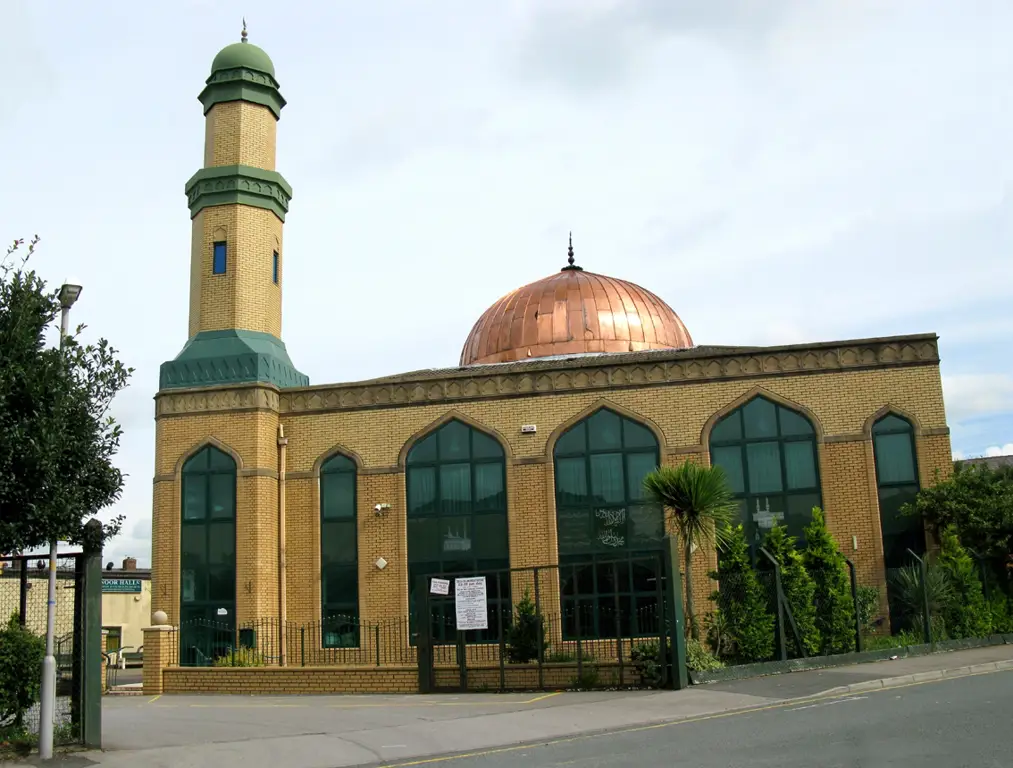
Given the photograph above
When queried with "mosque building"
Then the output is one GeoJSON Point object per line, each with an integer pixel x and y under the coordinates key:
{"type": "Point", "coordinates": [275, 498]}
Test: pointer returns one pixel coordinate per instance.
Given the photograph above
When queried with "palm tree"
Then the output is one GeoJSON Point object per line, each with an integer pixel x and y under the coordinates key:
{"type": "Point", "coordinates": [701, 506]}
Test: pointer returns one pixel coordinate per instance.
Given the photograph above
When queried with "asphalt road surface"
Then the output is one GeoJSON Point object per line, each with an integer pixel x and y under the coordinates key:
{"type": "Point", "coordinates": [947, 724]}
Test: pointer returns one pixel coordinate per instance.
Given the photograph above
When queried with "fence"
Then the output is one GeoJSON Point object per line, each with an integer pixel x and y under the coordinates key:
{"type": "Point", "coordinates": [597, 623]}
{"type": "Point", "coordinates": [335, 640]}
{"type": "Point", "coordinates": [24, 595]}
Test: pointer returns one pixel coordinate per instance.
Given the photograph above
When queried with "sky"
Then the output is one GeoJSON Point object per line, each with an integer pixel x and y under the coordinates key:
{"type": "Point", "coordinates": [778, 171]}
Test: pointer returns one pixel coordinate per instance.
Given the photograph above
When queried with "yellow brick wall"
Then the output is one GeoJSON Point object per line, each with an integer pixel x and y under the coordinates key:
{"type": "Point", "coordinates": [274, 681]}
{"type": "Point", "coordinates": [240, 133]}
{"type": "Point", "coordinates": [841, 405]}
{"type": "Point", "coordinates": [246, 296]}
{"type": "Point", "coordinates": [252, 437]}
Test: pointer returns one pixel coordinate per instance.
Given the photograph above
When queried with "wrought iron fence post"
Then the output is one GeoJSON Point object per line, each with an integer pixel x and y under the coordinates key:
{"type": "Point", "coordinates": [576, 618]}
{"type": "Point", "coordinates": [926, 617]}
{"type": "Point", "coordinates": [618, 621]}
{"type": "Point", "coordinates": [854, 601]}
{"type": "Point", "coordinates": [541, 632]}
{"type": "Point", "coordinates": [423, 626]}
{"type": "Point", "coordinates": [302, 645]}
{"type": "Point", "coordinates": [782, 646]}
{"type": "Point", "coordinates": [376, 637]}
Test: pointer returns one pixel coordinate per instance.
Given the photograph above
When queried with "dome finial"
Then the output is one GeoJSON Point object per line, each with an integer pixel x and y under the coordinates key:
{"type": "Point", "coordinates": [570, 265]}
{"type": "Point", "coordinates": [242, 37]}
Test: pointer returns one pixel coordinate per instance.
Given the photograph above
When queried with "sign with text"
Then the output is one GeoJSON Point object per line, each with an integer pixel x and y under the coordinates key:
{"type": "Point", "coordinates": [121, 585]}
{"type": "Point", "coordinates": [439, 587]}
{"type": "Point", "coordinates": [471, 601]}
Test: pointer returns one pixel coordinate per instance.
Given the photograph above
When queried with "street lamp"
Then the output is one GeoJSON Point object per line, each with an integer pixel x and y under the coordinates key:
{"type": "Point", "coordinates": [69, 293]}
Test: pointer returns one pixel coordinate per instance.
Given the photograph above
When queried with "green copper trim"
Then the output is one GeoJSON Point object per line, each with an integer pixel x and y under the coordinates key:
{"type": "Point", "coordinates": [242, 84]}
{"type": "Point", "coordinates": [242, 184]}
{"type": "Point", "coordinates": [231, 357]}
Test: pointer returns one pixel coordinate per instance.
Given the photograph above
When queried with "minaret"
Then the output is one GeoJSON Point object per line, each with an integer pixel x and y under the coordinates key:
{"type": "Point", "coordinates": [238, 203]}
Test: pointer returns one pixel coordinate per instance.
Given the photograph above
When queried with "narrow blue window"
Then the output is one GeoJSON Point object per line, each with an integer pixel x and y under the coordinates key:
{"type": "Point", "coordinates": [218, 264]}
{"type": "Point", "coordinates": [274, 268]}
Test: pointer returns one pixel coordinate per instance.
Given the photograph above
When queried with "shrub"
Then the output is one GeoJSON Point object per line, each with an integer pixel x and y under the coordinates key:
{"type": "Point", "coordinates": [644, 658]}
{"type": "Point", "coordinates": [907, 593]}
{"type": "Point", "coordinates": [966, 614]}
{"type": "Point", "coordinates": [240, 657]}
{"type": "Point", "coordinates": [835, 611]}
{"type": "Point", "coordinates": [700, 658]}
{"type": "Point", "coordinates": [1001, 613]}
{"type": "Point", "coordinates": [523, 634]}
{"type": "Point", "coordinates": [868, 606]}
{"type": "Point", "coordinates": [742, 602]}
{"type": "Point", "coordinates": [21, 655]}
{"type": "Point", "coordinates": [797, 584]}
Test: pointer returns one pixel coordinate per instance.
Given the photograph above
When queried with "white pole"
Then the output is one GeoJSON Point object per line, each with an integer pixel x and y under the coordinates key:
{"type": "Point", "coordinates": [47, 703]}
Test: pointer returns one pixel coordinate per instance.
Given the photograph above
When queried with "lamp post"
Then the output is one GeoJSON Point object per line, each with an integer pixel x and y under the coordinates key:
{"type": "Point", "coordinates": [69, 292]}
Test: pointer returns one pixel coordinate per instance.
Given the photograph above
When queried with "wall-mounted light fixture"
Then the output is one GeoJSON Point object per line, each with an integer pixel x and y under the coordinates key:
{"type": "Point", "coordinates": [381, 509]}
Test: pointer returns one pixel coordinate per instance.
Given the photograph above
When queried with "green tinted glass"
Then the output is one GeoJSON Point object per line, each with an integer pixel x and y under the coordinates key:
{"type": "Point", "coordinates": [423, 452]}
{"type": "Point", "coordinates": [729, 428]}
{"type": "Point", "coordinates": [637, 436]}
{"type": "Point", "coordinates": [794, 424]}
{"type": "Point", "coordinates": [337, 495]}
{"type": "Point", "coordinates": [574, 440]}
{"type": "Point", "coordinates": [729, 458]}
{"type": "Point", "coordinates": [604, 431]}
{"type": "Point", "coordinates": [453, 441]}
{"type": "Point", "coordinates": [759, 417]}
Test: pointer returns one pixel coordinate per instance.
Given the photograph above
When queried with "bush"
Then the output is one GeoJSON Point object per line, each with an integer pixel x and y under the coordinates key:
{"type": "Point", "coordinates": [966, 614]}
{"type": "Point", "coordinates": [799, 587]}
{"type": "Point", "coordinates": [742, 603]}
{"type": "Point", "coordinates": [868, 606]}
{"type": "Point", "coordinates": [21, 655]}
{"type": "Point", "coordinates": [1001, 613]}
{"type": "Point", "coordinates": [835, 610]}
{"type": "Point", "coordinates": [240, 657]}
{"type": "Point", "coordinates": [523, 634]}
{"type": "Point", "coordinates": [644, 658]}
{"type": "Point", "coordinates": [700, 658]}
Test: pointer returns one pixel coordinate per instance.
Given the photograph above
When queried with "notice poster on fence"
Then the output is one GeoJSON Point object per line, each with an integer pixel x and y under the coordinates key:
{"type": "Point", "coordinates": [471, 601]}
{"type": "Point", "coordinates": [439, 587]}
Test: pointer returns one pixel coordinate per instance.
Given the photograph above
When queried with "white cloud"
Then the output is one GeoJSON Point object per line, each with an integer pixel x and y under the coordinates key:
{"type": "Point", "coordinates": [1000, 450]}
{"type": "Point", "coordinates": [971, 396]}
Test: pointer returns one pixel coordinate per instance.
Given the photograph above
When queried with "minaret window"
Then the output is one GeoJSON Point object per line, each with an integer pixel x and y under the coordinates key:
{"type": "Point", "coordinates": [274, 267]}
{"type": "Point", "coordinates": [218, 263]}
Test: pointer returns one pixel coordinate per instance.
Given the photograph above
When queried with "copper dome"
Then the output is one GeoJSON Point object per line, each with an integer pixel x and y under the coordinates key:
{"type": "Point", "coordinates": [573, 312]}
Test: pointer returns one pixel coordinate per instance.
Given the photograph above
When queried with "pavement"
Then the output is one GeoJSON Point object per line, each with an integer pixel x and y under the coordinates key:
{"type": "Point", "coordinates": [337, 731]}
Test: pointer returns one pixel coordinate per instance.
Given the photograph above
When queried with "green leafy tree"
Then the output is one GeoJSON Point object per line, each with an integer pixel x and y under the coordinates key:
{"type": "Point", "coordinates": [966, 614]}
{"type": "Point", "coordinates": [977, 503]}
{"type": "Point", "coordinates": [835, 609]}
{"type": "Point", "coordinates": [21, 653]}
{"type": "Point", "coordinates": [57, 439]}
{"type": "Point", "coordinates": [524, 633]}
{"type": "Point", "coordinates": [799, 587]}
{"type": "Point", "coordinates": [744, 617]}
{"type": "Point", "coordinates": [700, 504]}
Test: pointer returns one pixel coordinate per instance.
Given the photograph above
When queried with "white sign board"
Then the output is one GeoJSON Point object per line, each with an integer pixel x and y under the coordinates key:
{"type": "Point", "coordinates": [471, 602]}
{"type": "Point", "coordinates": [439, 587]}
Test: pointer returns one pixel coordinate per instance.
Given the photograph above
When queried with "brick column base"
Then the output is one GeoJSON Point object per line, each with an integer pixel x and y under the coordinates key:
{"type": "Point", "coordinates": [157, 655]}
{"type": "Point", "coordinates": [102, 676]}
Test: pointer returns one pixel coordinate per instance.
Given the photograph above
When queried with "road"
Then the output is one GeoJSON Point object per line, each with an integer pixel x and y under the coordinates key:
{"type": "Point", "coordinates": [943, 724]}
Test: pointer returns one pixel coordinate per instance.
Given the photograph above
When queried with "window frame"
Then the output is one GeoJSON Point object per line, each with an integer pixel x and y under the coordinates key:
{"type": "Point", "coordinates": [915, 484]}
{"type": "Point", "coordinates": [275, 269]}
{"type": "Point", "coordinates": [335, 616]}
{"type": "Point", "coordinates": [222, 267]}
{"type": "Point", "coordinates": [443, 616]}
{"type": "Point", "coordinates": [746, 496]}
{"type": "Point", "coordinates": [205, 608]}
{"type": "Point", "coordinates": [574, 566]}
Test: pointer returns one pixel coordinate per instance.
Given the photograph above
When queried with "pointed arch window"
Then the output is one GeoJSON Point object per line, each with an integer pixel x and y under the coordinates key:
{"type": "Point", "coordinates": [457, 518]}
{"type": "Point", "coordinates": [339, 555]}
{"type": "Point", "coordinates": [897, 483]}
{"type": "Point", "coordinates": [769, 454]}
{"type": "Point", "coordinates": [207, 555]}
{"type": "Point", "coordinates": [603, 517]}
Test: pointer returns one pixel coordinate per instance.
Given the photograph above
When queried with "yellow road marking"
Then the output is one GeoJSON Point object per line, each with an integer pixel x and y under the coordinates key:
{"type": "Point", "coordinates": [156, 698]}
{"type": "Point", "coordinates": [541, 698]}
{"type": "Point", "coordinates": [669, 723]}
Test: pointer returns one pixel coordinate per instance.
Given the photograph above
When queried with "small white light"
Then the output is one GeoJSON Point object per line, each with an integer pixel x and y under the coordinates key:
{"type": "Point", "coordinates": [854, 543]}
{"type": "Point", "coordinates": [529, 429]}
{"type": "Point", "coordinates": [381, 563]}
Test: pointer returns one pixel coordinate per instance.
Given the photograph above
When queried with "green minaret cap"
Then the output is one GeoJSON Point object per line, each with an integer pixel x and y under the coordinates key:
{"type": "Point", "coordinates": [242, 72]}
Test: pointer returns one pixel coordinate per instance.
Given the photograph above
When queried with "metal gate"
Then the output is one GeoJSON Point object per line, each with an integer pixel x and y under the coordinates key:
{"type": "Point", "coordinates": [77, 640]}
{"type": "Point", "coordinates": [594, 623]}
